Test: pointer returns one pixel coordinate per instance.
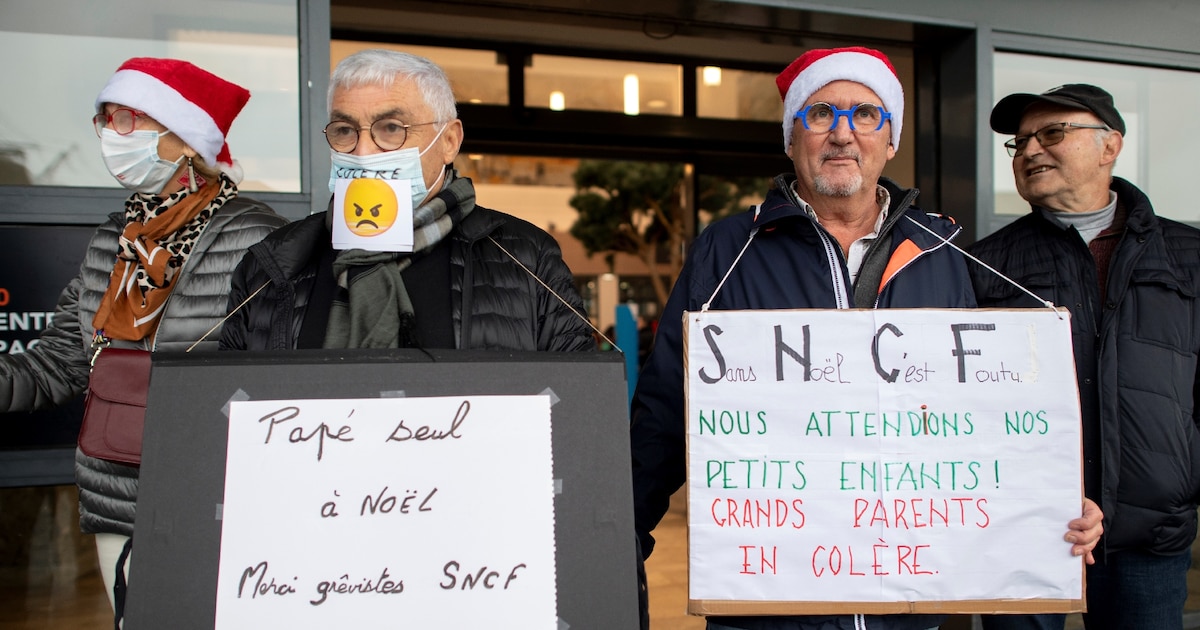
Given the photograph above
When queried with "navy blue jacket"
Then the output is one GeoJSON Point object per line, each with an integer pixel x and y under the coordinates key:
{"type": "Point", "coordinates": [791, 263]}
{"type": "Point", "coordinates": [1135, 359]}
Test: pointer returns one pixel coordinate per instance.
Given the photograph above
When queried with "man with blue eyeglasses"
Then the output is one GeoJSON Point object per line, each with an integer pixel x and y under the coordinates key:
{"type": "Point", "coordinates": [1131, 279]}
{"type": "Point", "coordinates": [833, 233]}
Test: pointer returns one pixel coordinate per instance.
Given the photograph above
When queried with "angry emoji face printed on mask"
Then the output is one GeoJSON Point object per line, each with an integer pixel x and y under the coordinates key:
{"type": "Point", "coordinates": [370, 207]}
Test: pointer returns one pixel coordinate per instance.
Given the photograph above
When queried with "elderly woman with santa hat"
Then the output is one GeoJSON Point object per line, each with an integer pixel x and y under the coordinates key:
{"type": "Point", "coordinates": [156, 274]}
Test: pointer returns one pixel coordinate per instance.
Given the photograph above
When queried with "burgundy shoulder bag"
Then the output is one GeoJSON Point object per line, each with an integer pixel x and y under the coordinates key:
{"type": "Point", "coordinates": [115, 410]}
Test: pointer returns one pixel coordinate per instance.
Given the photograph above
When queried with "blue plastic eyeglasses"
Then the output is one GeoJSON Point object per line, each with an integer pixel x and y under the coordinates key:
{"type": "Point", "coordinates": [863, 118]}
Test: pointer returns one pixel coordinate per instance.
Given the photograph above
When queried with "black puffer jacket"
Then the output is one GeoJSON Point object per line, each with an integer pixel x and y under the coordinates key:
{"type": "Point", "coordinates": [56, 369]}
{"type": "Point", "coordinates": [1135, 358]}
{"type": "Point", "coordinates": [495, 303]}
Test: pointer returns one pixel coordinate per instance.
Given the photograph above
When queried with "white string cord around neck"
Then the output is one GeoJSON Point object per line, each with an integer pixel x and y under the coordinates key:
{"type": "Point", "coordinates": [555, 294]}
{"type": "Point", "coordinates": [497, 244]}
{"type": "Point", "coordinates": [224, 319]}
{"type": "Point", "coordinates": [753, 233]}
{"type": "Point", "coordinates": [1047, 303]}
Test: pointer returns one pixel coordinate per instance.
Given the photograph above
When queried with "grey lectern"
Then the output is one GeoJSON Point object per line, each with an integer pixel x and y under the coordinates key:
{"type": "Point", "coordinates": [177, 537]}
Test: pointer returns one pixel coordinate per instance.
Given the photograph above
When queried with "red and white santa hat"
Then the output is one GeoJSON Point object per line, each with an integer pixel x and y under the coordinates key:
{"type": "Point", "coordinates": [817, 68]}
{"type": "Point", "coordinates": [194, 104]}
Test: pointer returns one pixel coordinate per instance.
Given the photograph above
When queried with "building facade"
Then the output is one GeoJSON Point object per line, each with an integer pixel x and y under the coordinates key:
{"type": "Point", "coordinates": [544, 85]}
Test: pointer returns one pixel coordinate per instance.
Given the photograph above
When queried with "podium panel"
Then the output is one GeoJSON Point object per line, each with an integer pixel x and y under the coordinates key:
{"type": "Point", "coordinates": [173, 577]}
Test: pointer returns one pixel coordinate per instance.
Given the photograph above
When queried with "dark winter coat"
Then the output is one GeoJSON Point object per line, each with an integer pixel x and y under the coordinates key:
{"type": "Point", "coordinates": [1135, 358]}
{"type": "Point", "coordinates": [495, 303]}
{"type": "Point", "coordinates": [57, 368]}
{"type": "Point", "coordinates": [792, 262]}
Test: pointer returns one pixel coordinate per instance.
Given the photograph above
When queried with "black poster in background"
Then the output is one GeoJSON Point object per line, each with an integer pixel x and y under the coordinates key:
{"type": "Point", "coordinates": [36, 263]}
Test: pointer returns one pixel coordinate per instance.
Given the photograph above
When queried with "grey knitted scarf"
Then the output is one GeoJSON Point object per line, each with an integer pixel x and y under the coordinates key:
{"type": "Point", "coordinates": [375, 311]}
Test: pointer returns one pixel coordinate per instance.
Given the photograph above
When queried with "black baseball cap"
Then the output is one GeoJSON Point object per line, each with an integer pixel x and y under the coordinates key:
{"type": "Point", "coordinates": [1006, 115]}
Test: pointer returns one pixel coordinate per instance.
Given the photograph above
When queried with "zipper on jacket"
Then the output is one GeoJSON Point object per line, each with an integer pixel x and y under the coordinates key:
{"type": "Point", "coordinates": [896, 212]}
{"type": "Point", "coordinates": [833, 251]}
{"type": "Point", "coordinates": [1125, 281]}
{"type": "Point", "coordinates": [162, 317]}
{"type": "Point", "coordinates": [153, 344]}
{"type": "Point", "coordinates": [1091, 300]}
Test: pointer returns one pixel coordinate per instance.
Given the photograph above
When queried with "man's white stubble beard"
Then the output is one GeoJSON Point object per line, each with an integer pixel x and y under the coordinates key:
{"type": "Point", "coordinates": [845, 188]}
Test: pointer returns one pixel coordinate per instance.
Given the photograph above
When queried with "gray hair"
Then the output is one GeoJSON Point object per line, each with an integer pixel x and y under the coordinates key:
{"type": "Point", "coordinates": [376, 66]}
{"type": "Point", "coordinates": [1102, 136]}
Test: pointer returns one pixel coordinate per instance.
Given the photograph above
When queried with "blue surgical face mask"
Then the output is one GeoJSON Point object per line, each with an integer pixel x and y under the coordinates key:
{"type": "Point", "coordinates": [398, 164]}
{"type": "Point", "coordinates": [133, 159]}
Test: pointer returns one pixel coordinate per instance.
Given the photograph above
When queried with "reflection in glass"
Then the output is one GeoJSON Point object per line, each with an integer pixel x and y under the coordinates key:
{"type": "Point", "coordinates": [722, 196]}
{"type": "Point", "coordinates": [604, 85]}
{"type": "Point", "coordinates": [645, 210]}
{"type": "Point", "coordinates": [575, 200]}
{"type": "Point", "coordinates": [632, 104]}
{"type": "Point", "coordinates": [49, 574]}
{"type": "Point", "coordinates": [477, 76]}
{"type": "Point", "coordinates": [46, 136]}
{"type": "Point", "coordinates": [737, 95]}
{"type": "Point", "coordinates": [710, 76]}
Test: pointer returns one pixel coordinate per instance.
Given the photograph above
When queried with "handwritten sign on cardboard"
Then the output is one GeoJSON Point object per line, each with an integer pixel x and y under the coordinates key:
{"type": "Point", "coordinates": [881, 461]}
{"type": "Point", "coordinates": [365, 513]}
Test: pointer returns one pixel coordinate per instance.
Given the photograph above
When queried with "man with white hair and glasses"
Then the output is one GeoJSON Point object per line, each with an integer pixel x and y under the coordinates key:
{"type": "Point", "coordinates": [463, 279]}
{"type": "Point", "coordinates": [1093, 244]}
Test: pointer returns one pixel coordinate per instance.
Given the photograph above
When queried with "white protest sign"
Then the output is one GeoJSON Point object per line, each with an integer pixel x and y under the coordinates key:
{"type": "Point", "coordinates": [881, 456]}
{"type": "Point", "coordinates": [375, 513]}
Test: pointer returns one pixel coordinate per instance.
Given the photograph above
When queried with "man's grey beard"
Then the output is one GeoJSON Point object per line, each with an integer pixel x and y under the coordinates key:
{"type": "Point", "coordinates": [840, 189]}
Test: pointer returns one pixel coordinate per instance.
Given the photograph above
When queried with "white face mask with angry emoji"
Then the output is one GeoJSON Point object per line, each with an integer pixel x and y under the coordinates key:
{"type": "Point", "coordinates": [376, 196]}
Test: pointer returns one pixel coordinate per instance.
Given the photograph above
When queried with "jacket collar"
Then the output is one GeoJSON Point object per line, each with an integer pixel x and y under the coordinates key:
{"type": "Point", "coordinates": [284, 253]}
{"type": "Point", "coordinates": [782, 204]}
{"type": "Point", "coordinates": [1140, 218]}
{"type": "Point", "coordinates": [479, 223]}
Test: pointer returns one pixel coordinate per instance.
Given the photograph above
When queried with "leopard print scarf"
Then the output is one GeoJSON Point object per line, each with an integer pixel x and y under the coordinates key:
{"type": "Point", "coordinates": [159, 236]}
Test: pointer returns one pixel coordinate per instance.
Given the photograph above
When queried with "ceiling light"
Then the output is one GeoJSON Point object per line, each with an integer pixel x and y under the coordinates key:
{"type": "Point", "coordinates": [632, 99]}
{"type": "Point", "coordinates": [711, 76]}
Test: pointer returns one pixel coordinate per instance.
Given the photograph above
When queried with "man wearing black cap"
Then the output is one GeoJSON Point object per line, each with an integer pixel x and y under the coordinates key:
{"type": "Point", "coordinates": [1130, 280]}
